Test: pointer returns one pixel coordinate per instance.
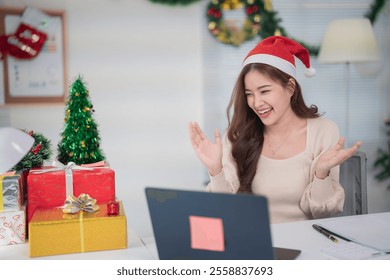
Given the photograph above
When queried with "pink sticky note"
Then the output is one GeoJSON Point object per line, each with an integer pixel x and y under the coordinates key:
{"type": "Point", "coordinates": [207, 233]}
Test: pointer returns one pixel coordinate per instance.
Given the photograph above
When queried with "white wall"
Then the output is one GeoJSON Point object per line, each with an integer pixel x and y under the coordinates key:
{"type": "Point", "coordinates": [143, 66]}
{"type": "Point", "coordinates": [369, 83]}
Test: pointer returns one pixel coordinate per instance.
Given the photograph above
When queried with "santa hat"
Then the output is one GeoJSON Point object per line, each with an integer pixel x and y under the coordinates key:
{"type": "Point", "coordinates": [279, 51]}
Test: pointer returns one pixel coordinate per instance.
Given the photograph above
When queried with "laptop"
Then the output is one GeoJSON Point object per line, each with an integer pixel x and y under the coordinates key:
{"type": "Point", "coordinates": [203, 226]}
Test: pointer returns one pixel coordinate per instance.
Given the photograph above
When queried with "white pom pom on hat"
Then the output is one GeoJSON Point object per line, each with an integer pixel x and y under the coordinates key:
{"type": "Point", "coordinates": [310, 72]}
{"type": "Point", "coordinates": [279, 51]}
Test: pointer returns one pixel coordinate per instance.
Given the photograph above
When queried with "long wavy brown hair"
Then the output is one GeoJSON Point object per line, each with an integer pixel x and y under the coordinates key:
{"type": "Point", "coordinates": [245, 130]}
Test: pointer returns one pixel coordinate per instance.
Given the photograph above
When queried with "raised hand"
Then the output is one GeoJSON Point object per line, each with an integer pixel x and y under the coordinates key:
{"type": "Point", "coordinates": [335, 156]}
{"type": "Point", "coordinates": [208, 152]}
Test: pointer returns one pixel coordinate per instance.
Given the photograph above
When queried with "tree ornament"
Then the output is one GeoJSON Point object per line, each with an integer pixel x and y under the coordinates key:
{"type": "Point", "coordinates": [39, 152]}
{"type": "Point", "coordinates": [80, 136]}
{"type": "Point", "coordinates": [36, 149]}
{"type": "Point", "coordinates": [113, 208]}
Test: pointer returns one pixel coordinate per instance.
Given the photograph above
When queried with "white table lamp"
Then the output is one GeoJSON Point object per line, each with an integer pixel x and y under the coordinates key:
{"type": "Point", "coordinates": [348, 41]}
{"type": "Point", "coordinates": [14, 145]}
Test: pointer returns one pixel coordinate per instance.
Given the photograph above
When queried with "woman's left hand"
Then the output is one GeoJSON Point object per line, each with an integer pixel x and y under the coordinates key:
{"type": "Point", "coordinates": [334, 156]}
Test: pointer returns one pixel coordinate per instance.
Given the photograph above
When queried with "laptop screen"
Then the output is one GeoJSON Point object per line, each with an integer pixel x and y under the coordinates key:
{"type": "Point", "coordinates": [204, 225]}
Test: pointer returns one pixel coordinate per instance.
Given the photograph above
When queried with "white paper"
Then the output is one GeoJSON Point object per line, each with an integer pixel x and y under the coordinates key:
{"type": "Point", "coordinates": [372, 230]}
{"type": "Point", "coordinates": [351, 251]}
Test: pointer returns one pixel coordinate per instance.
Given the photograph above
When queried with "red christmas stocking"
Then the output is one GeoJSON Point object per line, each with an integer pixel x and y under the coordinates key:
{"type": "Point", "coordinates": [26, 43]}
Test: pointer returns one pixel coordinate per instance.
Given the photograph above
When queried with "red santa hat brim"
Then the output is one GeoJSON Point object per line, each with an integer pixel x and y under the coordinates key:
{"type": "Point", "coordinates": [280, 52]}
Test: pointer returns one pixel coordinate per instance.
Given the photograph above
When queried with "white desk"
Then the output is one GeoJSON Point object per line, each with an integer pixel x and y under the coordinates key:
{"type": "Point", "coordinates": [136, 250]}
{"type": "Point", "coordinates": [299, 235]}
{"type": "Point", "coordinates": [296, 235]}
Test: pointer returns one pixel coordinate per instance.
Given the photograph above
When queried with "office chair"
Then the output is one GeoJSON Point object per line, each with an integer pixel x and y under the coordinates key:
{"type": "Point", "coordinates": [353, 178]}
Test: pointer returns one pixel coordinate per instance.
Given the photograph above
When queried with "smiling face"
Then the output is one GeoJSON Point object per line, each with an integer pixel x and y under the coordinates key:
{"type": "Point", "coordinates": [267, 98]}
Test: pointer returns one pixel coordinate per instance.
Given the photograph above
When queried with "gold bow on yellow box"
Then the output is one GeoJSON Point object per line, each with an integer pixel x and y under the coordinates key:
{"type": "Point", "coordinates": [81, 203]}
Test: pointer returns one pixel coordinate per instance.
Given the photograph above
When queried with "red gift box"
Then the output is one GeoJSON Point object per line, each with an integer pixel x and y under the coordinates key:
{"type": "Point", "coordinates": [48, 189]}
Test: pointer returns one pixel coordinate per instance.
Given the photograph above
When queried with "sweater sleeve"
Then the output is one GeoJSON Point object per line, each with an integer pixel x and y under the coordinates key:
{"type": "Point", "coordinates": [226, 180]}
{"type": "Point", "coordinates": [323, 197]}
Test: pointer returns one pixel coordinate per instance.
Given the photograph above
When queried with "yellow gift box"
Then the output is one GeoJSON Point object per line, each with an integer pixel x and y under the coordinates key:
{"type": "Point", "coordinates": [52, 232]}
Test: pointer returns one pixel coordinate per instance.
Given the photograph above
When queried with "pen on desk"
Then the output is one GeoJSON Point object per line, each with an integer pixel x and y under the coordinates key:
{"type": "Point", "coordinates": [325, 233]}
{"type": "Point", "coordinates": [334, 234]}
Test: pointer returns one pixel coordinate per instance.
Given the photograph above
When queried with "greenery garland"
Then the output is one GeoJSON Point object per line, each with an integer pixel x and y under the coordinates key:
{"type": "Point", "coordinates": [375, 8]}
{"type": "Point", "coordinates": [40, 151]}
{"type": "Point", "coordinates": [174, 2]}
{"type": "Point", "coordinates": [269, 23]}
{"type": "Point", "coordinates": [260, 18]}
{"type": "Point", "coordinates": [383, 160]}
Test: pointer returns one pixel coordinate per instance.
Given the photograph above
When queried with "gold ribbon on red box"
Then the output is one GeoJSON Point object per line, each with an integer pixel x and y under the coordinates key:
{"type": "Point", "coordinates": [81, 203]}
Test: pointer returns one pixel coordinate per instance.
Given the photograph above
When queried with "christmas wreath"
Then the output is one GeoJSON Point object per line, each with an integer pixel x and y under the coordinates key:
{"type": "Point", "coordinates": [260, 18]}
{"type": "Point", "coordinates": [229, 33]}
{"type": "Point", "coordinates": [39, 152]}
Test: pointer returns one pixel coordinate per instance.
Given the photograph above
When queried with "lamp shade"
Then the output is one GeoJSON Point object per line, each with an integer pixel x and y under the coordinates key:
{"type": "Point", "coordinates": [14, 145]}
{"type": "Point", "coordinates": [349, 41]}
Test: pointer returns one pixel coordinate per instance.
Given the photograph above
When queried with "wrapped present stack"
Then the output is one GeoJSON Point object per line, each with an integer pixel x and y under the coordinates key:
{"type": "Point", "coordinates": [53, 230]}
{"type": "Point", "coordinates": [71, 205]}
{"type": "Point", "coordinates": [13, 191]}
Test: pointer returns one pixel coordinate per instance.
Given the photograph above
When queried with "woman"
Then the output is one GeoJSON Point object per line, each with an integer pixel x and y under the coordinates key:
{"type": "Point", "coordinates": [275, 145]}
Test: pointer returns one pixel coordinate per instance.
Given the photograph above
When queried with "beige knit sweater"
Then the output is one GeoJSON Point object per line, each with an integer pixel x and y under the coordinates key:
{"type": "Point", "coordinates": [293, 191]}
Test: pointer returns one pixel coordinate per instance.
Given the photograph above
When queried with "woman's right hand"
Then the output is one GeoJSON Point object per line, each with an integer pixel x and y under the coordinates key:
{"type": "Point", "coordinates": [208, 152]}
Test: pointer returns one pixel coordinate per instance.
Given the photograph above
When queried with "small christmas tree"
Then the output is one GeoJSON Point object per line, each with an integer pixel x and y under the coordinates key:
{"type": "Point", "coordinates": [80, 136]}
{"type": "Point", "coordinates": [383, 160]}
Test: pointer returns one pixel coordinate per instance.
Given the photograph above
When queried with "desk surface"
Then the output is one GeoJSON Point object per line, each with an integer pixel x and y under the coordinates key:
{"type": "Point", "coordinates": [296, 235]}
{"type": "Point", "coordinates": [300, 235]}
{"type": "Point", "coordinates": [136, 250]}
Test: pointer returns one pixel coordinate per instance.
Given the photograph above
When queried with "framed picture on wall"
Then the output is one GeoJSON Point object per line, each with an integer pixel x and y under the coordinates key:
{"type": "Point", "coordinates": [40, 79]}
